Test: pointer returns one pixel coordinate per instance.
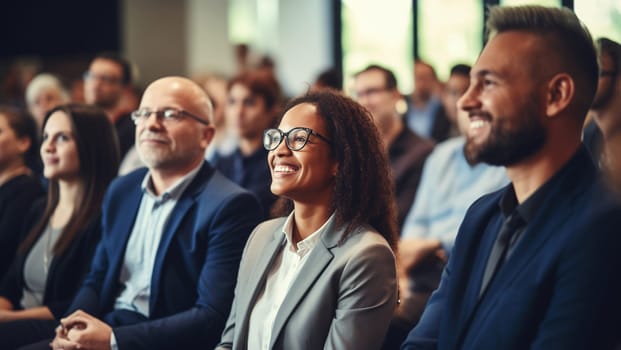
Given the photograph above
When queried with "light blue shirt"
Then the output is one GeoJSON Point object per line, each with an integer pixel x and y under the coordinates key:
{"type": "Point", "coordinates": [421, 120]}
{"type": "Point", "coordinates": [137, 269]}
{"type": "Point", "coordinates": [448, 186]}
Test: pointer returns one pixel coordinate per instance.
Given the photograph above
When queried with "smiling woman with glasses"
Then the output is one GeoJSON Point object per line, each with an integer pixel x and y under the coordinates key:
{"type": "Point", "coordinates": [319, 274]}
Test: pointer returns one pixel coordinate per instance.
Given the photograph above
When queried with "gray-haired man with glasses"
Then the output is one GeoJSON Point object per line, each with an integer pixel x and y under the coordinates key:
{"type": "Point", "coordinates": [164, 273]}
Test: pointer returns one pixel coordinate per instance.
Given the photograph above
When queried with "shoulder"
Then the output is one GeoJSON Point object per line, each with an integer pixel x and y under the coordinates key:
{"type": "Point", "coordinates": [266, 231]}
{"type": "Point", "coordinates": [446, 151]}
{"type": "Point", "coordinates": [130, 181]}
{"type": "Point", "coordinates": [364, 241]}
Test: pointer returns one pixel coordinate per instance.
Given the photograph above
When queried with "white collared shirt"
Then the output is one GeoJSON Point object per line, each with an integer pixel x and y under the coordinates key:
{"type": "Point", "coordinates": [285, 269]}
{"type": "Point", "coordinates": [139, 261]}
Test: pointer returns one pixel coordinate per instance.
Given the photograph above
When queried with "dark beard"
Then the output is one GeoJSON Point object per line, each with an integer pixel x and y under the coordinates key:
{"type": "Point", "coordinates": [507, 145]}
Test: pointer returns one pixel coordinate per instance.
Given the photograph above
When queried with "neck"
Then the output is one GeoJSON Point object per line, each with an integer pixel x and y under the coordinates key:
{"type": "Point", "coordinates": [530, 174]}
{"type": "Point", "coordinates": [13, 170]}
{"type": "Point", "coordinates": [164, 178]}
{"type": "Point", "coordinates": [69, 197]}
{"type": "Point", "coordinates": [247, 146]}
{"type": "Point", "coordinates": [308, 218]}
{"type": "Point", "coordinates": [606, 120]}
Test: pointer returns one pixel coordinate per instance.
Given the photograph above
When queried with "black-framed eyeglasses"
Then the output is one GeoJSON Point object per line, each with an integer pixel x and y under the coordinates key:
{"type": "Point", "coordinates": [108, 79]}
{"type": "Point", "coordinates": [167, 115]}
{"type": "Point", "coordinates": [295, 139]}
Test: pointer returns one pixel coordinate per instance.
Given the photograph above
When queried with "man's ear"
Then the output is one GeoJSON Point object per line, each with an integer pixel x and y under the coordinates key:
{"type": "Point", "coordinates": [208, 134]}
{"type": "Point", "coordinates": [24, 144]}
{"type": "Point", "coordinates": [560, 92]}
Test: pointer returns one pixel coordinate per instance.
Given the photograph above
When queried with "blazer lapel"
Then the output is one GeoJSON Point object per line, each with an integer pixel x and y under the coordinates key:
{"type": "Point", "coordinates": [256, 279]}
{"type": "Point", "coordinates": [187, 200]}
{"type": "Point", "coordinates": [317, 261]}
{"type": "Point", "coordinates": [123, 227]}
{"type": "Point", "coordinates": [464, 298]}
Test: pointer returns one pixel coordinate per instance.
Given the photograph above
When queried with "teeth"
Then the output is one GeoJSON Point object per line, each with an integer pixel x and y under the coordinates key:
{"type": "Point", "coordinates": [284, 169]}
{"type": "Point", "coordinates": [477, 124]}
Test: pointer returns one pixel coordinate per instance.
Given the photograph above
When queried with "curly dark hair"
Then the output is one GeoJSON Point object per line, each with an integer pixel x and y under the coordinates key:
{"type": "Point", "coordinates": [363, 192]}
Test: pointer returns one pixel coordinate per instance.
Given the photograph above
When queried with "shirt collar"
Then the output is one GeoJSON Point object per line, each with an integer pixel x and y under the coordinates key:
{"type": "Point", "coordinates": [174, 191]}
{"type": "Point", "coordinates": [308, 243]}
{"type": "Point", "coordinates": [530, 207]}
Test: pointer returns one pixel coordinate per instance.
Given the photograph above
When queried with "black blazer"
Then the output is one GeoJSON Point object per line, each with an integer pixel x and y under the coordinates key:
{"type": "Point", "coordinates": [16, 198]}
{"type": "Point", "coordinates": [66, 271]}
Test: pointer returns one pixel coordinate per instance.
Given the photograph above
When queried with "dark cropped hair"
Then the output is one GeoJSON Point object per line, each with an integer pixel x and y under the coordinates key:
{"type": "Point", "coordinates": [363, 191]}
{"type": "Point", "coordinates": [331, 78]}
{"type": "Point", "coordinates": [389, 77]}
{"type": "Point", "coordinates": [563, 35]}
{"type": "Point", "coordinates": [612, 48]}
{"type": "Point", "coordinates": [23, 125]}
{"type": "Point", "coordinates": [98, 153]}
{"type": "Point", "coordinates": [461, 69]}
{"type": "Point", "coordinates": [126, 68]}
{"type": "Point", "coordinates": [260, 84]}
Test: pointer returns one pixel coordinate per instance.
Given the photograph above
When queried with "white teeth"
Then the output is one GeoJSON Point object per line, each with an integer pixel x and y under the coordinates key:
{"type": "Point", "coordinates": [284, 169]}
{"type": "Point", "coordinates": [475, 124]}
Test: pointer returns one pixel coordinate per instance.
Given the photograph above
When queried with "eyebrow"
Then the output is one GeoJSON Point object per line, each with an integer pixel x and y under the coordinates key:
{"type": "Point", "coordinates": [485, 72]}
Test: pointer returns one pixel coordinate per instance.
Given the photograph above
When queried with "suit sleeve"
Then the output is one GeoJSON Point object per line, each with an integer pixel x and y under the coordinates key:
{"type": "Point", "coordinates": [87, 298]}
{"type": "Point", "coordinates": [425, 335]}
{"type": "Point", "coordinates": [202, 324]}
{"type": "Point", "coordinates": [367, 296]}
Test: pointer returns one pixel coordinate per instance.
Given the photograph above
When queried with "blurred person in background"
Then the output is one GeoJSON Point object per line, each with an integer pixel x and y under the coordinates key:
{"type": "Point", "coordinates": [80, 157]}
{"type": "Point", "coordinates": [19, 187]}
{"type": "Point", "coordinates": [253, 104]}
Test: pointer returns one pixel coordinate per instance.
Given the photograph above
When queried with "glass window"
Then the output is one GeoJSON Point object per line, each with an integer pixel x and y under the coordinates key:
{"type": "Point", "coordinates": [449, 32]}
{"type": "Point", "coordinates": [373, 33]}
{"type": "Point", "coordinates": [549, 3]}
{"type": "Point", "coordinates": [602, 17]}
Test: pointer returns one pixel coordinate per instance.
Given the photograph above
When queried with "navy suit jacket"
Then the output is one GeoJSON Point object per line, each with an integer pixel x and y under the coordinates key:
{"type": "Point", "coordinates": [560, 287]}
{"type": "Point", "coordinates": [195, 268]}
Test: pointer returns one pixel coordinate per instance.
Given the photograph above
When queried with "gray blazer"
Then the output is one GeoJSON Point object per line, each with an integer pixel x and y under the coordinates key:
{"type": "Point", "coordinates": [345, 300]}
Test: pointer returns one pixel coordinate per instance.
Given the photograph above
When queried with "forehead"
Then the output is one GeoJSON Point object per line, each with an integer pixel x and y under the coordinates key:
{"type": "Point", "coordinates": [509, 53]}
{"type": "Point", "coordinates": [166, 94]}
{"type": "Point", "coordinates": [102, 65]}
{"type": "Point", "coordinates": [606, 61]}
{"type": "Point", "coordinates": [59, 120]}
{"type": "Point", "coordinates": [370, 78]}
{"type": "Point", "coordinates": [303, 115]}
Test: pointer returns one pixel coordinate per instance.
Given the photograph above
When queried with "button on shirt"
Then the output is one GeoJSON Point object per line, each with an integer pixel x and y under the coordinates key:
{"type": "Point", "coordinates": [285, 269]}
{"type": "Point", "coordinates": [144, 241]}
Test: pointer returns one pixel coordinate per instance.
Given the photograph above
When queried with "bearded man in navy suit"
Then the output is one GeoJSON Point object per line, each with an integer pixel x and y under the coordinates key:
{"type": "Point", "coordinates": [535, 265]}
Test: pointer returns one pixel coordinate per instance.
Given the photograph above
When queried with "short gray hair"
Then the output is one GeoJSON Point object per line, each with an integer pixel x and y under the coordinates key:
{"type": "Point", "coordinates": [45, 81]}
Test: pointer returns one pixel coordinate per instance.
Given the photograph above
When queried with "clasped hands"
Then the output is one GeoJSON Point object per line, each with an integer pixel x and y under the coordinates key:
{"type": "Point", "coordinates": [82, 331]}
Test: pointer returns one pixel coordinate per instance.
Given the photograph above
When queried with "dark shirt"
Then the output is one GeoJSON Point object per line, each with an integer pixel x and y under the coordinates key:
{"type": "Point", "coordinates": [406, 155]}
{"type": "Point", "coordinates": [251, 173]}
{"type": "Point", "coordinates": [16, 198]}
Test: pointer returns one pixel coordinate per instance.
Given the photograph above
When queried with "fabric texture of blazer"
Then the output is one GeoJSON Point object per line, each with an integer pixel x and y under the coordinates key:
{"type": "Point", "coordinates": [66, 271]}
{"type": "Point", "coordinates": [343, 297]}
{"type": "Point", "coordinates": [560, 287]}
{"type": "Point", "coordinates": [195, 267]}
